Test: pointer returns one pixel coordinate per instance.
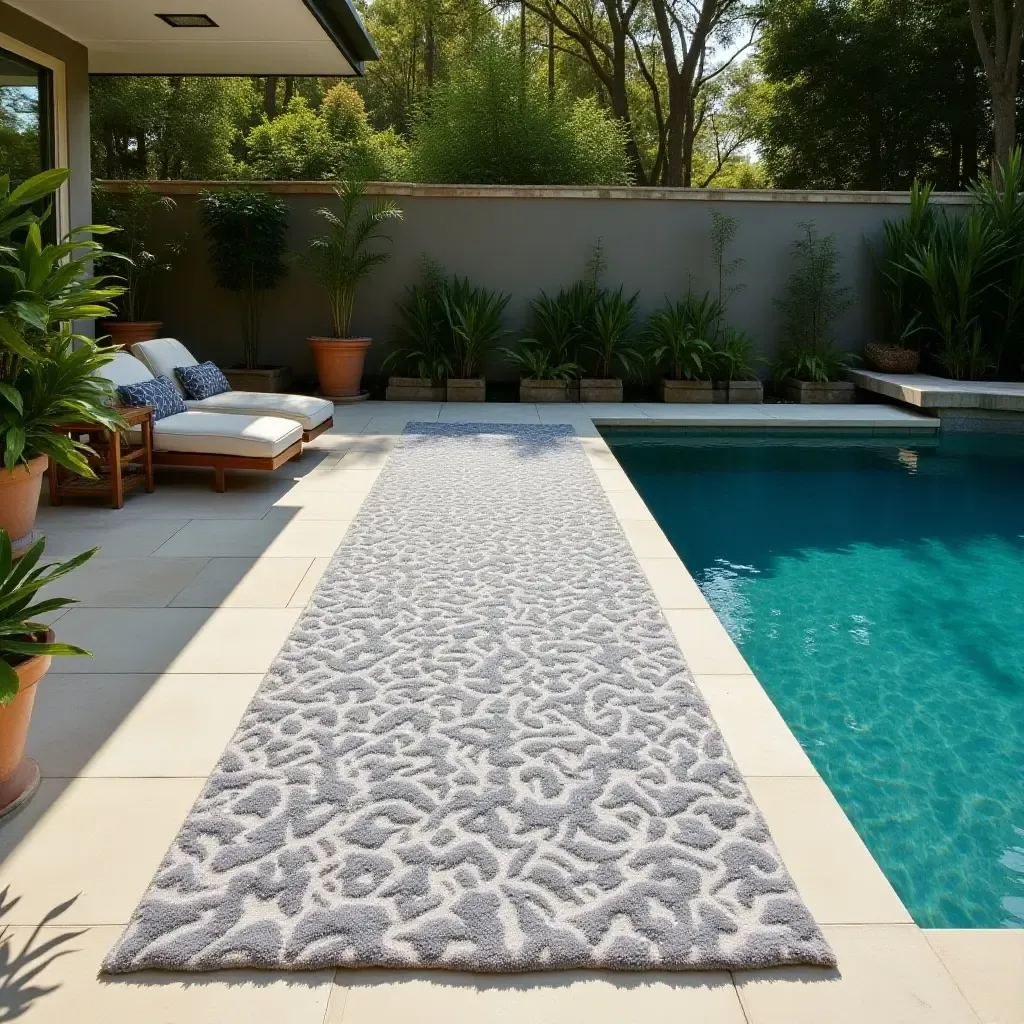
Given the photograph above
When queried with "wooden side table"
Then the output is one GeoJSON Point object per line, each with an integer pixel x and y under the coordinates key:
{"type": "Point", "coordinates": [118, 469]}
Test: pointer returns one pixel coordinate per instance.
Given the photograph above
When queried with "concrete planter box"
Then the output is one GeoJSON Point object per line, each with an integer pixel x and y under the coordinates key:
{"type": "Point", "coordinates": [745, 392]}
{"type": "Point", "coordinates": [700, 392]}
{"type": "Point", "coordinates": [271, 379]}
{"type": "Point", "coordinates": [467, 389]}
{"type": "Point", "coordinates": [544, 391]}
{"type": "Point", "coordinates": [414, 389]}
{"type": "Point", "coordinates": [600, 390]}
{"type": "Point", "coordinates": [838, 392]}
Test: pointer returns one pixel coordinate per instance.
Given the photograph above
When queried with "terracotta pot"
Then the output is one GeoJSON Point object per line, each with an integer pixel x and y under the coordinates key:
{"type": "Point", "coordinates": [19, 499]}
{"type": "Point", "coordinates": [339, 364]}
{"type": "Point", "coordinates": [128, 332]}
{"type": "Point", "coordinates": [19, 775]}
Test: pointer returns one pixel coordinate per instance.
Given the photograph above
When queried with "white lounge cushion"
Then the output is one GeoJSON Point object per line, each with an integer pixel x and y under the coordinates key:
{"type": "Point", "coordinates": [125, 369]}
{"type": "Point", "coordinates": [213, 433]}
{"type": "Point", "coordinates": [304, 409]}
{"type": "Point", "coordinates": [162, 355]}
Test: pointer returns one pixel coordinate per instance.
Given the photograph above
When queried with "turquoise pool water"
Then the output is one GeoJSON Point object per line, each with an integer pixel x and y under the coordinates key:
{"type": "Point", "coordinates": [876, 587]}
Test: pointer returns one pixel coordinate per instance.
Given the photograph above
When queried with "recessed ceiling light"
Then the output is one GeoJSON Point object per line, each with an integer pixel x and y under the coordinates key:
{"type": "Point", "coordinates": [188, 20]}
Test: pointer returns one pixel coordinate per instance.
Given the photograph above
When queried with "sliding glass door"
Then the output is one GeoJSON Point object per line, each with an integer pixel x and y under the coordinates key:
{"type": "Point", "coordinates": [26, 117]}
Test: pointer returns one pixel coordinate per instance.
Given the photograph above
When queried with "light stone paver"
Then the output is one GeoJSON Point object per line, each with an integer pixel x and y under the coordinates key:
{"type": "Point", "coordinates": [127, 738]}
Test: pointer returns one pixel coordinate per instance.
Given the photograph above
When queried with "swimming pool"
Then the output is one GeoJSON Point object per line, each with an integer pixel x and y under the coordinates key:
{"type": "Point", "coordinates": [876, 587]}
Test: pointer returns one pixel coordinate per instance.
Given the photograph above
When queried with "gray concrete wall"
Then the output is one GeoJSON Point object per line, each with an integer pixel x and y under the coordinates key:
{"type": "Point", "coordinates": [520, 241]}
{"type": "Point", "coordinates": [76, 62]}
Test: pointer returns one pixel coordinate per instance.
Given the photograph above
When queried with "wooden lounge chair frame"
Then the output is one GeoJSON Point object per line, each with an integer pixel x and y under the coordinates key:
{"type": "Point", "coordinates": [308, 435]}
{"type": "Point", "coordinates": [221, 463]}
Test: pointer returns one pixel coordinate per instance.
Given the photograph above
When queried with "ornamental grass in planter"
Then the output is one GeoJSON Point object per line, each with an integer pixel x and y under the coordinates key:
{"type": "Point", "coordinates": [246, 232]}
{"type": "Point", "coordinates": [678, 346]}
{"type": "Point", "coordinates": [473, 318]}
{"type": "Point", "coordinates": [48, 374]}
{"type": "Point", "coordinates": [422, 349]}
{"type": "Point", "coordinates": [733, 371]}
{"type": "Point", "coordinates": [139, 257]}
{"type": "Point", "coordinates": [339, 261]}
{"type": "Point", "coordinates": [26, 647]}
{"type": "Point", "coordinates": [810, 368]}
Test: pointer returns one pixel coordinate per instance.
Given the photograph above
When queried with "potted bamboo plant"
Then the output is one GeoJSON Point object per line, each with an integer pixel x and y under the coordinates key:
{"type": "Point", "coordinates": [246, 232]}
{"type": "Point", "coordinates": [132, 210]}
{"type": "Point", "coordinates": [48, 374]}
{"type": "Point", "coordinates": [26, 647]}
{"type": "Point", "coordinates": [339, 260]}
{"type": "Point", "coordinates": [474, 319]}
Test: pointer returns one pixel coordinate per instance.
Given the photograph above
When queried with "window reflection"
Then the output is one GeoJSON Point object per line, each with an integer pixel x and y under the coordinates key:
{"type": "Point", "coordinates": [25, 134]}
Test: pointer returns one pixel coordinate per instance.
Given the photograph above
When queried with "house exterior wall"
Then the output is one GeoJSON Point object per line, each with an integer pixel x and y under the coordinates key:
{"type": "Point", "coordinates": [73, 113]}
{"type": "Point", "coordinates": [520, 241]}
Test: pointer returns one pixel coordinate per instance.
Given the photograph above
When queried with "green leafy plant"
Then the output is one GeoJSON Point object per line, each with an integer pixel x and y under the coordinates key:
{"type": "Point", "coordinates": [538, 362]}
{"type": "Point", "coordinates": [474, 316]}
{"type": "Point", "coordinates": [48, 374]}
{"type": "Point", "coordinates": [20, 632]}
{"type": "Point", "coordinates": [731, 357]}
{"type": "Point", "coordinates": [723, 231]}
{"type": "Point", "coordinates": [339, 260]}
{"type": "Point", "coordinates": [813, 302]}
{"type": "Point", "coordinates": [958, 266]}
{"type": "Point", "coordinates": [423, 344]}
{"type": "Point", "coordinates": [680, 337]}
{"type": "Point", "coordinates": [246, 232]}
{"type": "Point", "coordinates": [140, 260]}
{"type": "Point", "coordinates": [610, 338]}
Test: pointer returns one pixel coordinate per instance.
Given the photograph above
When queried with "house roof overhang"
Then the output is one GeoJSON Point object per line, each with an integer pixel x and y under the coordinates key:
{"type": "Point", "coordinates": [269, 37]}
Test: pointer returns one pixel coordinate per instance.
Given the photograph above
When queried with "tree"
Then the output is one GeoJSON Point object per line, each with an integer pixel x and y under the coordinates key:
{"type": "Point", "coordinates": [1000, 58]}
{"type": "Point", "coordinates": [866, 94]}
{"type": "Point", "coordinates": [494, 124]}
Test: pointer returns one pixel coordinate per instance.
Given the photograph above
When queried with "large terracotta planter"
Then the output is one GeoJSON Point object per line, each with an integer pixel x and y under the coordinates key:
{"type": "Point", "coordinates": [339, 365]}
{"type": "Point", "coordinates": [19, 500]}
{"type": "Point", "coordinates": [264, 379]}
{"type": "Point", "coordinates": [128, 332]}
{"type": "Point", "coordinates": [19, 775]}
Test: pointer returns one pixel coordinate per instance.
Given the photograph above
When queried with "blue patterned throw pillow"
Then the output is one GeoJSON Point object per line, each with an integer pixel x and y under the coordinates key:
{"type": "Point", "coordinates": [159, 392]}
{"type": "Point", "coordinates": [202, 381]}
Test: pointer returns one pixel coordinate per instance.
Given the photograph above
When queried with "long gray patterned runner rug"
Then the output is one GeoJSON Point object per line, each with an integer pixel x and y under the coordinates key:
{"type": "Point", "coordinates": [479, 749]}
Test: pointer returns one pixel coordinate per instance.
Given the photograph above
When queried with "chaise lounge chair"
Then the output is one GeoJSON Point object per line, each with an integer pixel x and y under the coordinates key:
{"type": "Point", "coordinates": [164, 355]}
{"type": "Point", "coordinates": [216, 440]}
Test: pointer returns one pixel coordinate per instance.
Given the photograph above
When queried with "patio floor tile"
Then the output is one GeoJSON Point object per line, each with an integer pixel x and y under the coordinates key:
{"type": "Point", "coordinates": [673, 586]}
{"type": "Point", "coordinates": [571, 997]}
{"type": "Point", "coordinates": [130, 538]}
{"type": "Point", "coordinates": [128, 582]}
{"type": "Point", "coordinates": [339, 481]}
{"type": "Point", "coordinates": [305, 589]}
{"type": "Point", "coordinates": [988, 966]}
{"type": "Point", "coordinates": [243, 583]}
{"type": "Point", "coordinates": [233, 640]}
{"type": "Point", "coordinates": [100, 838]}
{"type": "Point", "coordinates": [758, 735]}
{"type": "Point", "coordinates": [136, 725]}
{"type": "Point", "coordinates": [705, 644]}
{"type": "Point", "coordinates": [270, 538]}
{"type": "Point", "coordinates": [68, 990]}
{"type": "Point", "coordinates": [829, 862]}
{"type": "Point", "coordinates": [887, 975]}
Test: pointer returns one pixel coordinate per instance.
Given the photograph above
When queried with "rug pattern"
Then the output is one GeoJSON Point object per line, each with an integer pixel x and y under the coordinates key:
{"type": "Point", "coordinates": [479, 749]}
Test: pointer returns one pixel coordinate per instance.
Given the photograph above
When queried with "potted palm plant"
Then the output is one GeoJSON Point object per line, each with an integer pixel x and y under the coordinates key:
{"type": "Point", "coordinates": [26, 647]}
{"type": "Point", "coordinates": [339, 260]}
{"type": "Point", "coordinates": [474, 319]}
{"type": "Point", "coordinates": [610, 341]}
{"type": "Point", "coordinates": [246, 232]}
{"type": "Point", "coordinates": [132, 211]}
{"type": "Point", "coordinates": [48, 375]}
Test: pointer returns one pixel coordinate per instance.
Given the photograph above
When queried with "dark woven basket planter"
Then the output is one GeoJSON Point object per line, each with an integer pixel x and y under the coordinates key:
{"type": "Point", "coordinates": [891, 358]}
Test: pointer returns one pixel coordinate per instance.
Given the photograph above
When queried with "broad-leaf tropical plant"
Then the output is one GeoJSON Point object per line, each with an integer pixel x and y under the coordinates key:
{"type": "Point", "coordinates": [340, 259]}
{"type": "Point", "coordinates": [537, 362]}
{"type": "Point", "coordinates": [423, 345]}
{"type": "Point", "coordinates": [474, 319]}
{"type": "Point", "coordinates": [20, 630]}
{"type": "Point", "coordinates": [48, 375]}
{"type": "Point", "coordinates": [680, 336]}
{"type": "Point", "coordinates": [610, 339]}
